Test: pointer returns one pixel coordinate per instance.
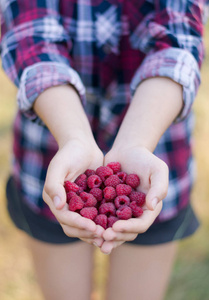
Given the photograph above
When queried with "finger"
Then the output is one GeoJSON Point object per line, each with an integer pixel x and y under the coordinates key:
{"type": "Point", "coordinates": [96, 242]}
{"type": "Point", "coordinates": [159, 187]}
{"type": "Point", "coordinates": [111, 235]}
{"type": "Point", "coordinates": [73, 219]}
{"type": "Point", "coordinates": [54, 183]}
{"type": "Point", "coordinates": [79, 233]}
{"type": "Point", "coordinates": [138, 225]}
{"type": "Point", "coordinates": [108, 246]}
{"type": "Point", "coordinates": [89, 241]}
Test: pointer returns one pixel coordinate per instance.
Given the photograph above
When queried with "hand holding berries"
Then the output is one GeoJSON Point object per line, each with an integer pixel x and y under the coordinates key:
{"type": "Point", "coordinates": [104, 196]}
{"type": "Point", "coordinates": [66, 168]}
{"type": "Point", "coordinates": [153, 174]}
{"type": "Point", "coordinates": [113, 198]}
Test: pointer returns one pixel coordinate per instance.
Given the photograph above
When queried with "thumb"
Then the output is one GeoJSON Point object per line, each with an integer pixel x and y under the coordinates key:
{"type": "Point", "coordinates": [158, 189]}
{"type": "Point", "coordinates": [54, 185]}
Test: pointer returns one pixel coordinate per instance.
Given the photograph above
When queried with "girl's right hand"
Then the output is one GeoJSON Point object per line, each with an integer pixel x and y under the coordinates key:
{"type": "Point", "coordinates": [72, 159]}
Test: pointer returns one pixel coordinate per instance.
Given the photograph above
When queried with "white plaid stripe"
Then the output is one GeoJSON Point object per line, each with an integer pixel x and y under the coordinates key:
{"type": "Point", "coordinates": [174, 63]}
{"type": "Point", "coordinates": [107, 27]}
{"type": "Point", "coordinates": [36, 78]}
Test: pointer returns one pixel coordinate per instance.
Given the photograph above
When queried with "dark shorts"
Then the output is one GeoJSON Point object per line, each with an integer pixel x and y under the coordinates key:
{"type": "Point", "coordinates": [38, 227]}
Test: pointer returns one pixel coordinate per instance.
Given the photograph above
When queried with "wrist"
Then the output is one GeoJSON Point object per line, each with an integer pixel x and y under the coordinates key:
{"type": "Point", "coordinates": [81, 139]}
{"type": "Point", "coordinates": [61, 110]}
{"type": "Point", "coordinates": [122, 145]}
{"type": "Point", "coordinates": [155, 105]}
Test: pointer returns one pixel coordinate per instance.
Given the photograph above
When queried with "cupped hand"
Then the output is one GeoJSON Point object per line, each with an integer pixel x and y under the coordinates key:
{"type": "Point", "coordinates": [72, 159]}
{"type": "Point", "coordinates": [153, 174]}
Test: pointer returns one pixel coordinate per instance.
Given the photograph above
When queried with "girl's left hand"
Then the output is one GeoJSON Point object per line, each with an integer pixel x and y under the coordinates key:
{"type": "Point", "coordinates": [153, 173]}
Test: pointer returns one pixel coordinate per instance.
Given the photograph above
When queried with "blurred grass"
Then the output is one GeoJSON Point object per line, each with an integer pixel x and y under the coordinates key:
{"type": "Point", "coordinates": [190, 276]}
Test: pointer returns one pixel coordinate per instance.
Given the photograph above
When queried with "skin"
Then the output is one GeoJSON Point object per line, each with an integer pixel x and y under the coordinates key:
{"type": "Point", "coordinates": [148, 117]}
{"type": "Point", "coordinates": [155, 105]}
{"type": "Point", "coordinates": [73, 135]}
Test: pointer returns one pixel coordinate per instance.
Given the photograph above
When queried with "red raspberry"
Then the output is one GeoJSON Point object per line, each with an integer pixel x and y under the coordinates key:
{"type": "Point", "coordinates": [109, 193]}
{"type": "Point", "coordinates": [123, 189]}
{"type": "Point", "coordinates": [97, 193]}
{"type": "Point", "coordinates": [107, 209]}
{"type": "Point", "coordinates": [139, 197]}
{"type": "Point", "coordinates": [103, 201]}
{"type": "Point", "coordinates": [81, 181]}
{"type": "Point", "coordinates": [101, 220]}
{"type": "Point", "coordinates": [104, 172]}
{"type": "Point", "coordinates": [121, 200]}
{"type": "Point", "coordinates": [94, 181]}
{"type": "Point", "coordinates": [70, 195]}
{"type": "Point", "coordinates": [70, 186]}
{"type": "Point", "coordinates": [80, 190]}
{"type": "Point", "coordinates": [112, 180]}
{"type": "Point", "coordinates": [122, 176]}
{"type": "Point", "coordinates": [111, 220]}
{"type": "Point", "coordinates": [88, 199]}
{"type": "Point", "coordinates": [133, 180]}
{"type": "Point", "coordinates": [75, 203]}
{"type": "Point", "coordinates": [89, 212]}
{"type": "Point", "coordinates": [89, 172]}
{"type": "Point", "coordinates": [115, 166]}
{"type": "Point", "coordinates": [137, 211]}
{"type": "Point", "coordinates": [124, 212]}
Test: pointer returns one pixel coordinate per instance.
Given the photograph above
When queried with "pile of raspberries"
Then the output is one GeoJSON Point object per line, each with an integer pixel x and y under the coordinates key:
{"type": "Point", "coordinates": [105, 195]}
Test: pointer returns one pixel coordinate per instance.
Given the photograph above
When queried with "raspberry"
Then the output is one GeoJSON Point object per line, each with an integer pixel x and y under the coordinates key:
{"type": "Point", "coordinates": [104, 172]}
{"type": "Point", "coordinates": [112, 180]}
{"type": "Point", "coordinates": [122, 176]}
{"type": "Point", "coordinates": [89, 172]}
{"type": "Point", "coordinates": [101, 220]}
{"type": "Point", "coordinates": [75, 203]}
{"type": "Point", "coordinates": [70, 186]}
{"type": "Point", "coordinates": [104, 201]}
{"type": "Point", "coordinates": [107, 209]}
{"type": "Point", "coordinates": [105, 195]}
{"type": "Point", "coordinates": [133, 180]}
{"type": "Point", "coordinates": [97, 193]}
{"type": "Point", "coordinates": [94, 181]}
{"type": "Point", "coordinates": [124, 212]}
{"type": "Point", "coordinates": [81, 181]}
{"type": "Point", "coordinates": [88, 199]}
{"type": "Point", "coordinates": [111, 220]}
{"type": "Point", "coordinates": [80, 190]}
{"type": "Point", "coordinates": [115, 166]}
{"type": "Point", "coordinates": [139, 197]}
{"type": "Point", "coordinates": [89, 212]}
{"type": "Point", "coordinates": [137, 211]}
{"type": "Point", "coordinates": [123, 189]}
{"type": "Point", "coordinates": [70, 195]}
{"type": "Point", "coordinates": [121, 200]}
{"type": "Point", "coordinates": [109, 193]}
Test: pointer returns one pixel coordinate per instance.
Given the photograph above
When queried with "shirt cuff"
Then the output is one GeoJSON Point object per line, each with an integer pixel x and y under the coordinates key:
{"type": "Point", "coordinates": [40, 76]}
{"type": "Point", "coordinates": [176, 64]}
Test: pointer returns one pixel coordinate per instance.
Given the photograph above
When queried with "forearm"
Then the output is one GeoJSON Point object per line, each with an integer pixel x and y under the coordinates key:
{"type": "Point", "coordinates": [61, 110]}
{"type": "Point", "coordinates": [155, 105]}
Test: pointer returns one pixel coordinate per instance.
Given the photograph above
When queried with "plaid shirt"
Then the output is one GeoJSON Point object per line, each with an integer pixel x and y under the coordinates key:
{"type": "Point", "coordinates": [104, 49]}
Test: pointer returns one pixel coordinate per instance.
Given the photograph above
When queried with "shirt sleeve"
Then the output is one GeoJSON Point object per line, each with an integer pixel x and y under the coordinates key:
{"type": "Point", "coordinates": [172, 39]}
{"type": "Point", "coordinates": [35, 50]}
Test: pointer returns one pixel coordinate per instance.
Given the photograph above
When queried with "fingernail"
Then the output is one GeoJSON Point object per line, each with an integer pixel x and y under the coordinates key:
{"type": "Point", "coordinates": [56, 201]}
{"type": "Point", "coordinates": [95, 244]}
{"type": "Point", "coordinates": [154, 203]}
